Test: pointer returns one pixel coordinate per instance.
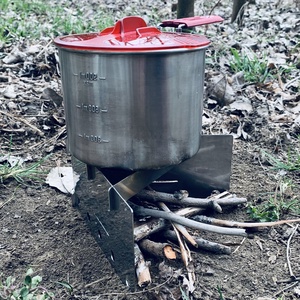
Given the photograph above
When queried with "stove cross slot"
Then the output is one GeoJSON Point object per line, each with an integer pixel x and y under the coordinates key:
{"type": "Point", "coordinates": [131, 185]}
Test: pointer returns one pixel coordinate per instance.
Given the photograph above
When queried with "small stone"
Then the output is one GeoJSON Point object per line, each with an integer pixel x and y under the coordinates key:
{"type": "Point", "coordinates": [9, 92]}
{"type": "Point", "coordinates": [287, 233]}
{"type": "Point", "coordinates": [209, 272]}
{"type": "Point", "coordinates": [33, 49]}
{"type": "Point", "coordinates": [272, 259]}
{"type": "Point", "coordinates": [12, 105]}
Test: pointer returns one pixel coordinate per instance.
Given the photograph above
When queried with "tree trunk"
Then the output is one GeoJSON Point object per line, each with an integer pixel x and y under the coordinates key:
{"type": "Point", "coordinates": [185, 8]}
{"type": "Point", "coordinates": [237, 11]}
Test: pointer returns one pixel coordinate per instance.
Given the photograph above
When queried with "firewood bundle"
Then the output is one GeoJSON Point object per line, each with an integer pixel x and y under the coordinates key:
{"type": "Point", "coordinates": [172, 224]}
{"type": "Point", "coordinates": [187, 212]}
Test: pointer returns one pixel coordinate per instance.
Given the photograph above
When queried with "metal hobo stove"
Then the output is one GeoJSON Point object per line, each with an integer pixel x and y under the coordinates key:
{"type": "Point", "coordinates": [133, 98]}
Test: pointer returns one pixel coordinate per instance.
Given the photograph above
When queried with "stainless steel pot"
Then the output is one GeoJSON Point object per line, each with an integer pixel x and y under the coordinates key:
{"type": "Point", "coordinates": [133, 94]}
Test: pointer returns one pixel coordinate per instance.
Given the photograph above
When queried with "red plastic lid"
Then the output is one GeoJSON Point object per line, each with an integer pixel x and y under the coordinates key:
{"type": "Point", "coordinates": [131, 34]}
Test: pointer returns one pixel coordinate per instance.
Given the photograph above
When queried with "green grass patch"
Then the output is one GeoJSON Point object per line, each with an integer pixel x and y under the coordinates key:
{"type": "Point", "coordinates": [290, 161]}
{"type": "Point", "coordinates": [281, 202]}
{"type": "Point", "coordinates": [285, 199]}
{"type": "Point", "coordinates": [23, 173]}
{"type": "Point", "coordinates": [255, 68]}
{"type": "Point", "coordinates": [33, 19]}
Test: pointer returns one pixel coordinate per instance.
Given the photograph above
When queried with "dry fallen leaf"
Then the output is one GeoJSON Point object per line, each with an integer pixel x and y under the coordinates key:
{"type": "Point", "coordinates": [220, 90]}
{"type": "Point", "coordinates": [297, 291]}
{"type": "Point", "coordinates": [63, 178]}
{"type": "Point", "coordinates": [14, 56]}
{"type": "Point", "coordinates": [242, 105]}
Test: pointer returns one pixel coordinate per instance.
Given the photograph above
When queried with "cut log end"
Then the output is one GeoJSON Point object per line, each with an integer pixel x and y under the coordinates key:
{"type": "Point", "coordinates": [141, 268]}
{"type": "Point", "coordinates": [159, 250]}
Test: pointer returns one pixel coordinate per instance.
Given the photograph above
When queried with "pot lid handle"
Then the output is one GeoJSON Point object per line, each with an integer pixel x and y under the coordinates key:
{"type": "Point", "coordinates": [191, 21]}
{"type": "Point", "coordinates": [125, 25]}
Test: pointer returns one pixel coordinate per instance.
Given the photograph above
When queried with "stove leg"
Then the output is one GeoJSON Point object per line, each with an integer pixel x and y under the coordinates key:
{"type": "Point", "coordinates": [91, 172]}
{"type": "Point", "coordinates": [75, 200]}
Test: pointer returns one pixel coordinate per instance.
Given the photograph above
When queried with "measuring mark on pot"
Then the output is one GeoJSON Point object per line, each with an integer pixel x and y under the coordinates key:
{"type": "Point", "coordinates": [93, 138]}
{"type": "Point", "coordinates": [92, 108]}
{"type": "Point", "coordinates": [89, 77]}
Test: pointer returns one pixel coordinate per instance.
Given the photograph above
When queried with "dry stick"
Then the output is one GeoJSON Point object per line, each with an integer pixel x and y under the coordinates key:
{"type": "Point", "coordinates": [202, 244]}
{"type": "Point", "coordinates": [11, 66]}
{"type": "Point", "coordinates": [156, 225]}
{"type": "Point", "coordinates": [107, 277]}
{"type": "Point", "coordinates": [188, 211]}
{"type": "Point", "coordinates": [286, 288]}
{"type": "Point", "coordinates": [189, 201]}
{"type": "Point", "coordinates": [215, 206]}
{"type": "Point", "coordinates": [183, 194]}
{"type": "Point", "coordinates": [48, 141]}
{"type": "Point", "coordinates": [281, 84]}
{"type": "Point", "coordinates": [23, 121]}
{"type": "Point", "coordinates": [148, 228]}
{"type": "Point", "coordinates": [132, 293]}
{"type": "Point", "coordinates": [288, 280]}
{"type": "Point", "coordinates": [190, 269]}
{"type": "Point", "coordinates": [13, 130]}
{"type": "Point", "coordinates": [141, 268]}
{"type": "Point", "coordinates": [218, 222]}
{"type": "Point", "coordinates": [238, 247]}
{"type": "Point", "coordinates": [211, 11]}
{"type": "Point", "coordinates": [288, 250]}
{"type": "Point", "coordinates": [142, 211]}
{"type": "Point", "coordinates": [187, 260]}
{"type": "Point", "coordinates": [179, 227]}
{"type": "Point", "coordinates": [185, 252]}
{"type": "Point", "coordinates": [224, 194]}
{"type": "Point", "coordinates": [7, 201]}
{"type": "Point", "coordinates": [161, 250]}
{"type": "Point", "coordinates": [44, 49]}
{"type": "Point", "coordinates": [290, 82]}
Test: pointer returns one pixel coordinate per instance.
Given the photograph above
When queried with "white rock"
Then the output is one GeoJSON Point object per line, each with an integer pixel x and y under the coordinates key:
{"type": "Point", "coordinates": [9, 92]}
{"type": "Point", "coordinates": [12, 105]}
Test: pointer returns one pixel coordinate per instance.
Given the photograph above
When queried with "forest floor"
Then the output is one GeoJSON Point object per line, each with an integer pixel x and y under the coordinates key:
{"type": "Point", "coordinates": [40, 229]}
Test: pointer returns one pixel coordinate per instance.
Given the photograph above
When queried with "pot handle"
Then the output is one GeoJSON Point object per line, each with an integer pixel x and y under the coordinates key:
{"type": "Point", "coordinates": [191, 21]}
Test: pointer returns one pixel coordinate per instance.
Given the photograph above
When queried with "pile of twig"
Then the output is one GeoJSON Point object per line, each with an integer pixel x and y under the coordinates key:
{"type": "Point", "coordinates": [171, 225]}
